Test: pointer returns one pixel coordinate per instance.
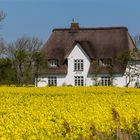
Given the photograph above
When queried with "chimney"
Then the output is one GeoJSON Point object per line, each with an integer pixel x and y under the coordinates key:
{"type": "Point", "coordinates": [74, 25]}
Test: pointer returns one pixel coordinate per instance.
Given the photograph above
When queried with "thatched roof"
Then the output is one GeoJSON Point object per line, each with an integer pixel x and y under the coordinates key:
{"type": "Point", "coordinates": [98, 43]}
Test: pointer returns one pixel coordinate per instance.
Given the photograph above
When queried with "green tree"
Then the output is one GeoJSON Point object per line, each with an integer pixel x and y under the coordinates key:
{"type": "Point", "coordinates": [123, 57]}
{"type": "Point", "coordinates": [96, 69]}
{"type": "Point", "coordinates": [26, 57]}
{"type": "Point", "coordinates": [127, 60]}
{"type": "Point", "coordinates": [7, 73]}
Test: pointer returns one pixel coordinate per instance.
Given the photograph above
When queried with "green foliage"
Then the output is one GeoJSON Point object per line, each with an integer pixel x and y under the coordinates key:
{"type": "Point", "coordinates": [123, 57]}
{"type": "Point", "coordinates": [7, 73]}
{"type": "Point", "coordinates": [95, 65]}
{"type": "Point", "coordinates": [39, 61]}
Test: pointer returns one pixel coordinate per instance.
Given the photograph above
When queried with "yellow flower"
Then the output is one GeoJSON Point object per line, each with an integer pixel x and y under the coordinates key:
{"type": "Point", "coordinates": [61, 113]}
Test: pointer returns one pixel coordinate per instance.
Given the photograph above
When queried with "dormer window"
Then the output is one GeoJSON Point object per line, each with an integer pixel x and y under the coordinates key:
{"type": "Point", "coordinates": [104, 62]}
{"type": "Point", "coordinates": [53, 62]}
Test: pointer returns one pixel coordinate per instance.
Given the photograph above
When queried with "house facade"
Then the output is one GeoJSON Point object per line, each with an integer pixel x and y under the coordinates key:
{"type": "Point", "coordinates": [89, 57]}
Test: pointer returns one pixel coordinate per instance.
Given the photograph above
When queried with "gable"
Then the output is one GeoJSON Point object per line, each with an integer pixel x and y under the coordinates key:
{"type": "Point", "coordinates": [78, 53]}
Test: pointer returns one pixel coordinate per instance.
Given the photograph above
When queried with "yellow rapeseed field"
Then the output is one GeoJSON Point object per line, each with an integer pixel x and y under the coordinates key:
{"type": "Point", "coordinates": [59, 113]}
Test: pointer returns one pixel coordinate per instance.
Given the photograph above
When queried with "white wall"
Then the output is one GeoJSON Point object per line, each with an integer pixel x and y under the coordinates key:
{"type": "Point", "coordinates": [90, 81]}
{"type": "Point", "coordinates": [119, 80]}
{"type": "Point", "coordinates": [43, 81]}
{"type": "Point", "coordinates": [77, 53]}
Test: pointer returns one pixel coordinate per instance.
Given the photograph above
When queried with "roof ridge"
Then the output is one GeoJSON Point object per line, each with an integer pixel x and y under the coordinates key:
{"type": "Point", "coordinates": [94, 28]}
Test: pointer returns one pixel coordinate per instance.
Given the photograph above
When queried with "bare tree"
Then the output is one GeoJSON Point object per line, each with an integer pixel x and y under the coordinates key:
{"type": "Point", "coordinates": [33, 47]}
{"type": "Point", "coordinates": [137, 40]}
{"type": "Point", "coordinates": [17, 54]}
{"type": "Point", "coordinates": [2, 15]}
{"type": "Point", "coordinates": [132, 67]}
{"type": "Point", "coordinates": [132, 73]}
{"type": "Point", "coordinates": [2, 48]}
{"type": "Point", "coordinates": [22, 53]}
{"type": "Point", "coordinates": [2, 43]}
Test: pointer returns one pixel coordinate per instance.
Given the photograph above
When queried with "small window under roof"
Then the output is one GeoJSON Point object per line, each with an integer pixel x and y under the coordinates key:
{"type": "Point", "coordinates": [53, 62]}
{"type": "Point", "coordinates": [104, 62]}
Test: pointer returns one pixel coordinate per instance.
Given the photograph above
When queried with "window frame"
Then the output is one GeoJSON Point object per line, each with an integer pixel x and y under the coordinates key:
{"type": "Point", "coordinates": [79, 80]}
{"type": "Point", "coordinates": [105, 81]}
{"type": "Point", "coordinates": [52, 80]}
{"type": "Point", "coordinates": [105, 62]}
{"type": "Point", "coordinates": [78, 64]}
{"type": "Point", "coordinates": [53, 62]}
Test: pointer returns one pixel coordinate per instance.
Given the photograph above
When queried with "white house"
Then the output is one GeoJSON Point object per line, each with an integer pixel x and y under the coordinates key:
{"type": "Point", "coordinates": [90, 56]}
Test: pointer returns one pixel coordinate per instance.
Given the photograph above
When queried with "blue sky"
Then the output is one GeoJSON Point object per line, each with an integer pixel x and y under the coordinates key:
{"type": "Point", "coordinates": [39, 17]}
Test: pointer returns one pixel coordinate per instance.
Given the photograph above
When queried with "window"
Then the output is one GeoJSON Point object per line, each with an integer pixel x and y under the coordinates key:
{"type": "Point", "coordinates": [105, 62]}
{"type": "Point", "coordinates": [105, 81]}
{"type": "Point", "coordinates": [78, 65]}
{"type": "Point", "coordinates": [53, 63]}
{"type": "Point", "coordinates": [79, 80]}
{"type": "Point", "coordinates": [52, 81]}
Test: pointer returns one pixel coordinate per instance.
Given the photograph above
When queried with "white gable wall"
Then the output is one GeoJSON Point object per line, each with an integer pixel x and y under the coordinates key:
{"type": "Point", "coordinates": [77, 53]}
